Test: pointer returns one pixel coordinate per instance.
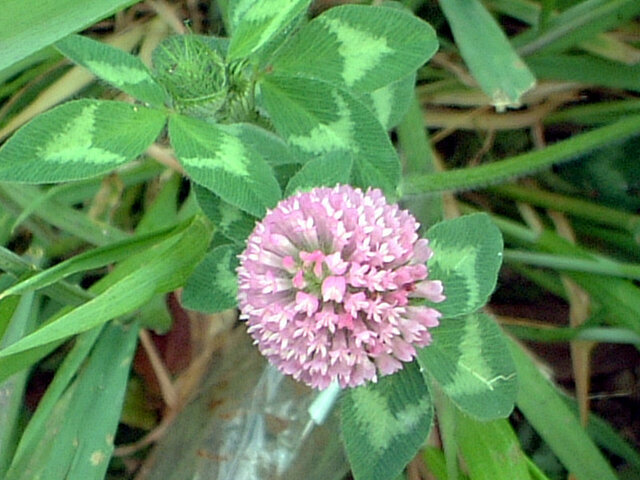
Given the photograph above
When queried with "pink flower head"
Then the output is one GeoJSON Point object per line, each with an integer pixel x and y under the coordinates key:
{"type": "Point", "coordinates": [327, 283]}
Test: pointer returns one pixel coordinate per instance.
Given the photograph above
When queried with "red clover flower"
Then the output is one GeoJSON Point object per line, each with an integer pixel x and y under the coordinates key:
{"type": "Point", "coordinates": [325, 285]}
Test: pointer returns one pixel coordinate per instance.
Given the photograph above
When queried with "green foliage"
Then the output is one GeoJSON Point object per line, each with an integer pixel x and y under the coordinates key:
{"type": "Point", "coordinates": [112, 65]}
{"type": "Point", "coordinates": [330, 117]}
{"type": "Point", "coordinates": [218, 160]}
{"type": "Point", "coordinates": [467, 258]}
{"type": "Point", "coordinates": [77, 140]}
{"type": "Point", "coordinates": [65, 447]}
{"type": "Point", "coordinates": [391, 102]}
{"type": "Point", "coordinates": [328, 170]}
{"type": "Point", "coordinates": [491, 450]}
{"type": "Point", "coordinates": [470, 361]}
{"type": "Point", "coordinates": [502, 74]}
{"type": "Point", "coordinates": [384, 423]}
{"type": "Point", "coordinates": [213, 286]}
{"type": "Point", "coordinates": [230, 221]}
{"type": "Point", "coordinates": [541, 403]}
{"type": "Point", "coordinates": [467, 178]}
{"type": "Point", "coordinates": [288, 102]}
{"type": "Point", "coordinates": [159, 269]}
{"type": "Point", "coordinates": [47, 23]}
{"type": "Point", "coordinates": [255, 22]}
{"type": "Point", "coordinates": [316, 118]}
{"type": "Point", "coordinates": [347, 45]}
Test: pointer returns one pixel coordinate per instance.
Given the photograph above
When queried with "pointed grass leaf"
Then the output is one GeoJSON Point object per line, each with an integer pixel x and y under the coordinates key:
{"type": "Point", "coordinates": [162, 268]}
{"type": "Point", "coordinates": [21, 320]}
{"type": "Point", "coordinates": [63, 215]}
{"type": "Point", "coordinates": [361, 47]}
{"type": "Point", "coordinates": [115, 66]}
{"type": "Point", "coordinates": [233, 223]}
{"type": "Point", "coordinates": [578, 22]}
{"type": "Point", "coordinates": [218, 160]}
{"type": "Point", "coordinates": [68, 448]}
{"type": "Point", "coordinates": [77, 140]}
{"type": "Point", "coordinates": [255, 22]}
{"type": "Point", "coordinates": [491, 450]}
{"type": "Point", "coordinates": [95, 258]}
{"type": "Point", "coordinates": [467, 257]}
{"type": "Point", "coordinates": [493, 62]}
{"type": "Point", "coordinates": [328, 170]}
{"type": "Point", "coordinates": [384, 423]}
{"type": "Point", "coordinates": [27, 26]}
{"type": "Point", "coordinates": [213, 285]}
{"type": "Point", "coordinates": [316, 118]}
{"type": "Point", "coordinates": [470, 360]}
{"type": "Point", "coordinates": [587, 69]}
{"type": "Point", "coordinates": [65, 374]}
{"type": "Point", "coordinates": [546, 410]}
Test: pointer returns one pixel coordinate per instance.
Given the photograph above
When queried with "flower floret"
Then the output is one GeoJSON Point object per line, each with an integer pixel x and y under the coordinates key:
{"type": "Point", "coordinates": [330, 283]}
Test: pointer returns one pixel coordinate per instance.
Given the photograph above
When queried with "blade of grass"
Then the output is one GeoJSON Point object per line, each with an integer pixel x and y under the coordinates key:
{"type": "Point", "coordinates": [95, 258]}
{"type": "Point", "coordinates": [621, 298]}
{"type": "Point", "coordinates": [130, 285]}
{"type": "Point", "coordinates": [172, 260]}
{"type": "Point", "coordinates": [63, 292]}
{"type": "Point", "coordinates": [491, 450]}
{"type": "Point", "coordinates": [571, 205]}
{"type": "Point", "coordinates": [67, 448]}
{"type": "Point", "coordinates": [64, 375]}
{"type": "Point", "coordinates": [418, 157]}
{"type": "Point", "coordinates": [11, 390]}
{"type": "Point", "coordinates": [608, 438]}
{"type": "Point", "coordinates": [435, 462]}
{"type": "Point", "coordinates": [587, 70]}
{"type": "Point", "coordinates": [523, 164]}
{"type": "Point", "coordinates": [595, 113]}
{"type": "Point", "coordinates": [502, 75]}
{"type": "Point", "coordinates": [26, 26]}
{"type": "Point", "coordinates": [599, 264]}
{"type": "Point", "coordinates": [576, 24]}
{"type": "Point", "coordinates": [446, 414]}
{"type": "Point", "coordinates": [545, 409]}
{"type": "Point", "coordinates": [565, 334]}
{"type": "Point", "coordinates": [524, 10]}
{"type": "Point", "coordinates": [61, 216]}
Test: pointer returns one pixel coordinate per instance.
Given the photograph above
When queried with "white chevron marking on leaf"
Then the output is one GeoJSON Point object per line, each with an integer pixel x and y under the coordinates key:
{"type": "Point", "coordinates": [360, 50]}
{"type": "Point", "coordinates": [379, 421]}
{"type": "Point", "coordinates": [229, 156]}
{"type": "Point", "coordinates": [74, 143]}
{"type": "Point", "coordinates": [118, 74]}
{"type": "Point", "coordinates": [325, 137]}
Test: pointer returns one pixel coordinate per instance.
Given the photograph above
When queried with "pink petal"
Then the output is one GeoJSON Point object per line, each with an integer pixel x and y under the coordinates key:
{"type": "Point", "coordinates": [333, 289]}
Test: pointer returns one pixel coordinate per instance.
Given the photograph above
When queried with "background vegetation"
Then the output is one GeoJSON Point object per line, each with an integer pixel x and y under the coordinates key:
{"type": "Point", "coordinates": [528, 111]}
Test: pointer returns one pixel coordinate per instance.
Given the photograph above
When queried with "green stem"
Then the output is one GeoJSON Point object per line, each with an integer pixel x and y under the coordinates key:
{"type": "Point", "coordinates": [565, 334]}
{"type": "Point", "coordinates": [600, 265]}
{"type": "Point", "coordinates": [524, 164]}
{"type": "Point", "coordinates": [574, 206]}
{"type": "Point", "coordinates": [447, 422]}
